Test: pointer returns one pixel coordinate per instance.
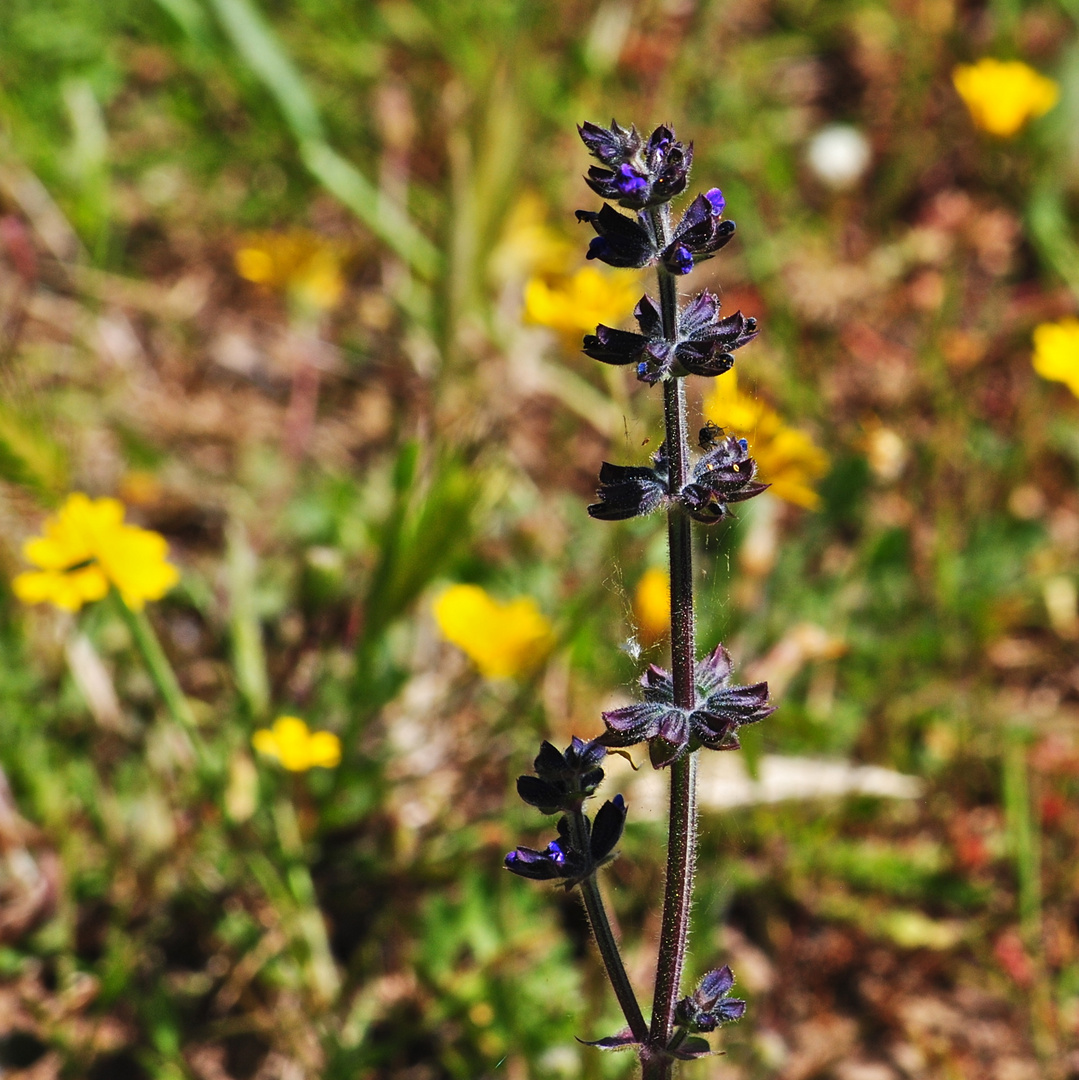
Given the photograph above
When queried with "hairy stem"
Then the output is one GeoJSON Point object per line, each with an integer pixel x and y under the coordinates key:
{"type": "Point", "coordinates": [682, 841]}
{"type": "Point", "coordinates": [605, 941]}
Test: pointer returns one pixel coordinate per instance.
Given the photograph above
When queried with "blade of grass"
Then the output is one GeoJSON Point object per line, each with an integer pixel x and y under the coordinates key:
{"type": "Point", "coordinates": [248, 655]}
{"type": "Point", "coordinates": [1051, 232]}
{"type": "Point", "coordinates": [258, 46]}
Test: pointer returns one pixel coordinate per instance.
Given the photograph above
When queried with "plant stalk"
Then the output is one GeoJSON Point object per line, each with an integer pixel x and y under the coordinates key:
{"type": "Point", "coordinates": [605, 940]}
{"type": "Point", "coordinates": [682, 840]}
{"type": "Point", "coordinates": [158, 666]}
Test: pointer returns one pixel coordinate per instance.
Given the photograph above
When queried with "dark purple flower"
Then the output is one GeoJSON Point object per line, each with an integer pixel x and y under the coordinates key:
{"type": "Point", "coordinates": [716, 200]}
{"type": "Point", "coordinates": [637, 176]}
{"type": "Point", "coordinates": [620, 241]}
{"type": "Point", "coordinates": [548, 865]}
{"type": "Point", "coordinates": [628, 182]}
{"type": "Point", "coordinates": [672, 731]}
{"type": "Point", "coordinates": [628, 491]}
{"type": "Point", "coordinates": [607, 828]}
{"type": "Point", "coordinates": [705, 341]}
{"type": "Point", "coordinates": [699, 235]}
{"type": "Point", "coordinates": [563, 780]}
{"type": "Point", "coordinates": [709, 1006]}
{"type": "Point", "coordinates": [561, 861]}
{"type": "Point", "coordinates": [704, 344]}
{"type": "Point", "coordinates": [724, 474]}
{"type": "Point", "coordinates": [680, 260]}
{"type": "Point", "coordinates": [613, 146]}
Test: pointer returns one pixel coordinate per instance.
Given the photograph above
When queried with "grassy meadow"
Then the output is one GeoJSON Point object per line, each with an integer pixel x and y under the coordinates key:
{"type": "Point", "coordinates": [296, 286]}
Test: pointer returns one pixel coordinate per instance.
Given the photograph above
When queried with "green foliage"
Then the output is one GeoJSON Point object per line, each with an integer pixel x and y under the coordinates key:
{"type": "Point", "coordinates": [211, 909]}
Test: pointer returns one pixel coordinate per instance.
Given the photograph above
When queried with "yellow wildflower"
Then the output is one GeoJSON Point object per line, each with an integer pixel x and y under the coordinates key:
{"type": "Point", "coordinates": [652, 605]}
{"type": "Point", "coordinates": [303, 264]}
{"type": "Point", "coordinates": [578, 303]}
{"type": "Point", "coordinates": [1002, 95]}
{"type": "Point", "coordinates": [502, 639]}
{"type": "Point", "coordinates": [529, 245]}
{"type": "Point", "coordinates": [296, 747]}
{"type": "Point", "coordinates": [1056, 352]}
{"type": "Point", "coordinates": [85, 549]}
{"type": "Point", "coordinates": [786, 458]}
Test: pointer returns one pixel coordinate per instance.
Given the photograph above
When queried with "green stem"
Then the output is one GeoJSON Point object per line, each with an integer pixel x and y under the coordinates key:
{"type": "Point", "coordinates": [605, 940]}
{"type": "Point", "coordinates": [158, 666]}
{"type": "Point", "coordinates": [323, 974]}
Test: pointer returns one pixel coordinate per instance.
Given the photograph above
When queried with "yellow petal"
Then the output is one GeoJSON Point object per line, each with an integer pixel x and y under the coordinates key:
{"type": "Point", "coordinates": [265, 743]}
{"type": "Point", "coordinates": [652, 605]}
{"type": "Point", "coordinates": [1056, 352]}
{"type": "Point", "coordinates": [324, 749]}
{"type": "Point", "coordinates": [293, 738]}
{"type": "Point", "coordinates": [254, 264]}
{"type": "Point", "coordinates": [1002, 96]}
{"type": "Point", "coordinates": [787, 458]}
{"type": "Point", "coordinates": [578, 303]}
{"type": "Point", "coordinates": [134, 561]}
{"type": "Point", "coordinates": [502, 640]}
{"type": "Point", "coordinates": [66, 590]}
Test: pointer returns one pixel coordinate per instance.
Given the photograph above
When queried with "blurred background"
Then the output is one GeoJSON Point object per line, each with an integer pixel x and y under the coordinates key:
{"type": "Point", "coordinates": [298, 282]}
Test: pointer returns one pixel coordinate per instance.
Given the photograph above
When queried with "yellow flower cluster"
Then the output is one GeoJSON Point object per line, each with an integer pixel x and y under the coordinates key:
{"type": "Point", "coordinates": [1002, 95]}
{"type": "Point", "coordinates": [86, 547]}
{"type": "Point", "coordinates": [652, 605]}
{"type": "Point", "coordinates": [292, 743]}
{"type": "Point", "coordinates": [576, 303]}
{"type": "Point", "coordinates": [1056, 352]}
{"type": "Point", "coordinates": [787, 458]}
{"type": "Point", "coordinates": [503, 639]}
{"type": "Point", "coordinates": [303, 264]}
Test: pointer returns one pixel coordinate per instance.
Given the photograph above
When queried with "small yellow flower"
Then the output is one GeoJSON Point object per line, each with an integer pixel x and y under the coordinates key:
{"type": "Point", "coordinates": [577, 303]}
{"type": "Point", "coordinates": [303, 264]}
{"type": "Point", "coordinates": [296, 747]}
{"type": "Point", "coordinates": [1056, 352]}
{"type": "Point", "coordinates": [787, 458]}
{"type": "Point", "coordinates": [652, 605]}
{"type": "Point", "coordinates": [529, 245]}
{"type": "Point", "coordinates": [85, 549]}
{"type": "Point", "coordinates": [1002, 95]}
{"type": "Point", "coordinates": [502, 639]}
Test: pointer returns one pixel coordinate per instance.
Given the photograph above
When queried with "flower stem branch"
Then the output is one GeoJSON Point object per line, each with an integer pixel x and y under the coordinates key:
{"type": "Point", "coordinates": [605, 940]}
